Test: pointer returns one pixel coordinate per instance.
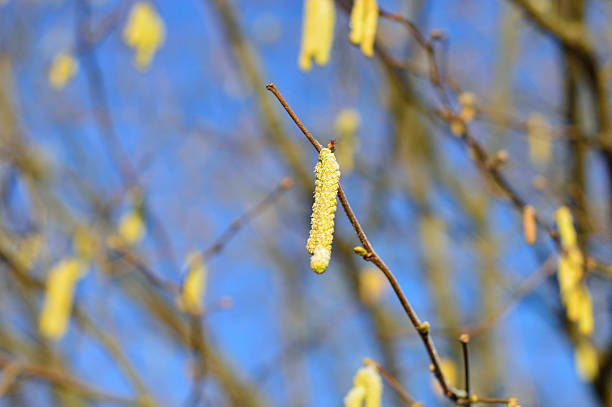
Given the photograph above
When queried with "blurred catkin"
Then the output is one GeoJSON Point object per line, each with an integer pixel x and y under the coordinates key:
{"type": "Point", "coordinates": [63, 68]}
{"type": "Point", "coordinates": [317, 33]}
{"type": "Point", "coordinates": [367, 386]}
{"type": "Point", "coordinates": [574, 292]}
{"type": "Point", "coordinates": [145, 32]}
{"type": "Point", "coordinates": [364, 18]}
{"type": "Point", "coordinates": [194, 286]}
{"type": "Point", "coordinates": [59, 297]}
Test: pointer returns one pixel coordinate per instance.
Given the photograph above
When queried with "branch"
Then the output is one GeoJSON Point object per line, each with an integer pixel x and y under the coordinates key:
{"type": "Point", "coordinates": [421, 327]}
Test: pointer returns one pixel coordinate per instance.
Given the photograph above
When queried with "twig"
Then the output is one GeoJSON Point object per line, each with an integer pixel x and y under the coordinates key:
{"type": "Point", "coordinates": [465, 339]}
{"type": "Point", "coordinates": [394, 384]}
{"type": "Point", "coordinates": [529, 285]}
{"type": "Point", "coordinates": [218, 245]}
{"type": "Point", "coordinates": [65, 380]}
{"type": "Point", "coordinates": [371, 256]}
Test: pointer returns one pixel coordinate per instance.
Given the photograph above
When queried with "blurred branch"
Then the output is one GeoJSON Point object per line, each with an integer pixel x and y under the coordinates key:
{"type": "Point", "coordinates": [64, 380]}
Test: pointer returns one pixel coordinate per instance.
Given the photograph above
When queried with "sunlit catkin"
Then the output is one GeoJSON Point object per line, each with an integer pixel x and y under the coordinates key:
{"type": "Point", "coordinates": [367, 386]}
{"type": "Point", "coordinates": [63, 68]}
{"type": "Point", "coordinates": [529, 224]}
{"type": "Point", "coordinates": [364, 18]}
{"type": "Point", "coordinates": [194, 286]}
{"type": "Point", "coordinates": [59, 295]}
{"type": "Point", "coordinates": [317, 33]}
{"type": "Point", "coordinates": [323, 210]}
{"type": "Point", "coordinates": [145, 33]}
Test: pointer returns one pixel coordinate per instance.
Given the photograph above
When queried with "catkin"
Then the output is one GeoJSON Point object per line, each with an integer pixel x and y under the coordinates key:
{"type": "Point", "coordinates": [63, 68]}
{"type": "Point", "coordinates": [529, 224]}
{"type": "Point", "coordinates": [367, 385]}
{"type": "Point", "coordinates": [565, 224]}
{"type": "Point", "coordinates": [574, 292]}
{"type": "Point", "coordinates": [145, 32]}
{"type": "Point", "coordinates": [194, 286]}
{"type": "Point", "coordinates": [317, 33]}
{"type": "Point", "coordinates": [364, 18]}
{"type": "Point", "coordinates": [319, 242]}
{"type": "Point", "coordinates": [56, 310]}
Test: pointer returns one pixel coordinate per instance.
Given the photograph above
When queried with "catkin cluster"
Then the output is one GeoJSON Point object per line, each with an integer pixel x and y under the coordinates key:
{"type": "Point", "coordinates": [367, 386]}
{"type": "Point", "coordinates": [319, 242]}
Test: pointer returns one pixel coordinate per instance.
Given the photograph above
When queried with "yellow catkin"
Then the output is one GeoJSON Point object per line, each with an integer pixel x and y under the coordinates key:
{"type": "Point", "coordinates": [57, 307]}
{"type": "Point", "coordinates": [323, 210]}
{"type": "Point", "coordinates": [574, 292]}
{"type": "Point", "coordinates": [570, 270]}
{"type": "Point", "coordinates": [355, 397]}
{"type": "Point", "coordinates": [145, 32]}
{"type": "Point", "coordinates": [131, 227]}
{"type": "Point", "coordinates": [317, 33]}
{"type": "Point", "coordinates": [565, 224]}
{"type": "Point", "coordinates": [372, 285]}
{"type": "Point", "coordinates": [63, 68]}
{"type": "Point", "coordinates": [364, 18]}
{"type": "Point", "coordinates": [586, 360]}
{"type": "Point", "coordinates": [367, 386]}
{"type": "Point", "coordinates": [346, 125]}
{"type": "Point", "coordinates": [584, 311]}
{"type": "Point", "coordinates": [530, 227]}
{"type": "Point", "coordinates": [539, 139]}
{"type": "Point", "coordinates": [194, 286]}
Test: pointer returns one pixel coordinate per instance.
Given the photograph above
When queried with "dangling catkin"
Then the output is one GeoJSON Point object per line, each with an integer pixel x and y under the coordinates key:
{"type": "Point", "coordinates": [364, 18]}
{"type": "Point", "coordinates": [55, 314]}
{"type": "Point", "coordinates": [317, 33]}
{"type": "Point", "coordinates": [323, 210]}
{"type": "Point", "coordinates": [367, 385]}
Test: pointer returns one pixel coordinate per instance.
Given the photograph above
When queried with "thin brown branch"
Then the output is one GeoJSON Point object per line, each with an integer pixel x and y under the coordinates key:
{"type": "Point", "coordinates": [394, 384]}
{"type": "Point", "coordinates": [371, 256]}
{"type": "Point", "coordinates": [528, 286]}
{"type": "Point", "coordinates": [464, 339]}
{"type": "Point", "coordinates": [219, 244]}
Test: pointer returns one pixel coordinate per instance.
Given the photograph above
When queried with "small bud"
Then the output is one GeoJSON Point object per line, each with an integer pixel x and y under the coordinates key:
{"type": "Point", "coordinates": [437, 34]}
{"type": "Point", "coordinates": [360, 251]}
{"type": "Point", "coordinates": [286, 183]}
{"type": "Point", "coordinates": [501, 156]}
{"type": "Point", "coordinates": [423, 328]}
